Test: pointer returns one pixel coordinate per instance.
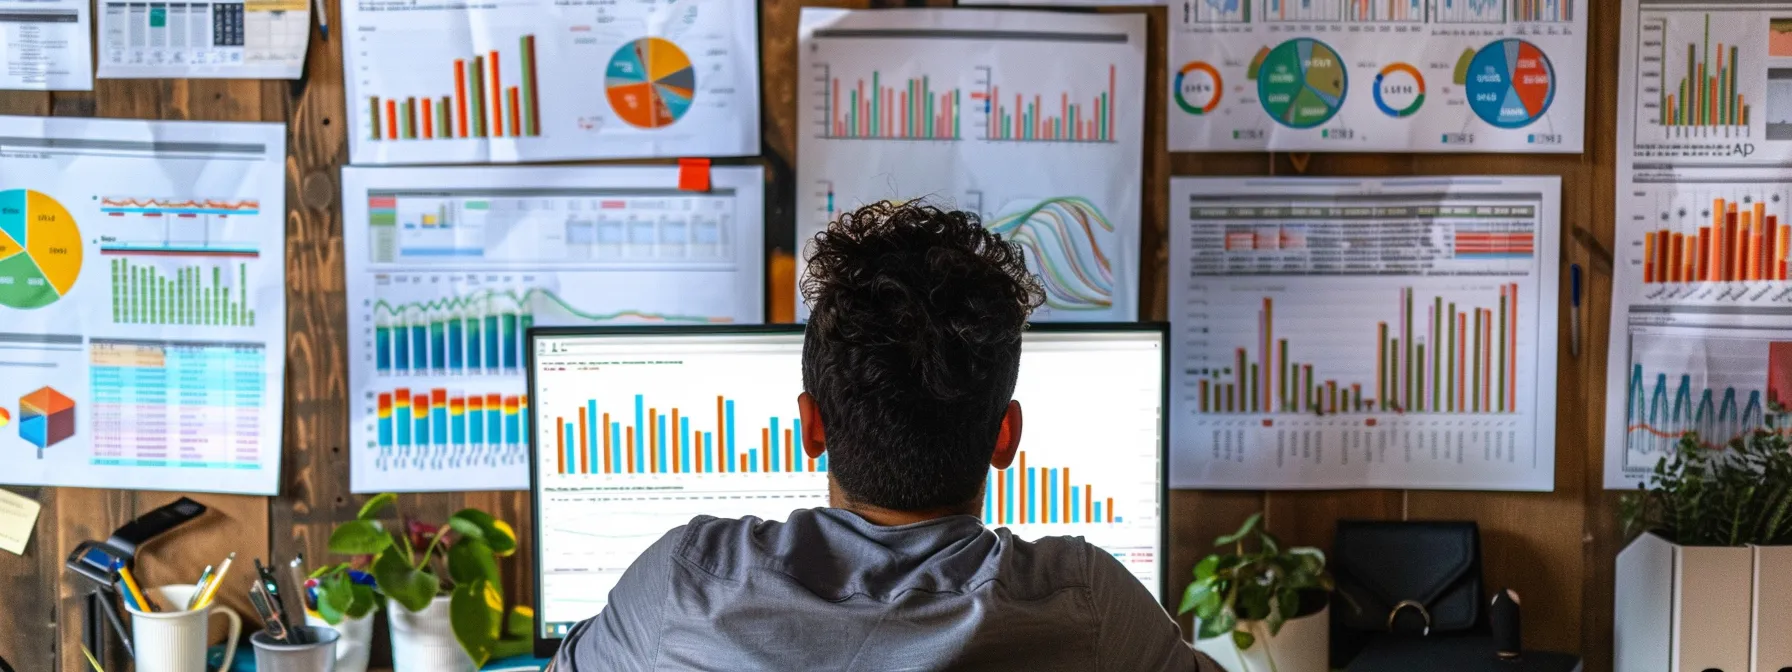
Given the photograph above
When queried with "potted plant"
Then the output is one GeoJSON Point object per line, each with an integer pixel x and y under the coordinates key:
{"type": "Point", "coordinates": [441, 584]}
{"type": "Point", "coordinates": [343, 598]}
{"type": "Point", "coordinates": [1710, 552]}
{"type": "Point", "coordinates": [1261, 607]}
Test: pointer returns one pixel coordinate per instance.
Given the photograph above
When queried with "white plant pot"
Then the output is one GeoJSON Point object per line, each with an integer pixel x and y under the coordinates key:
{"type": "Point", "coordinates": [423, 641]}
{"type": "Point", "coordinates": [356, 643]}
{"type": "Point", "coordinates": [1303, 645]}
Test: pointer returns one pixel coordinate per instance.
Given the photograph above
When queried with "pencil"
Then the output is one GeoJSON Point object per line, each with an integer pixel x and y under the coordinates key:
{"type": "Point", "coordinates": [130, 583]}
{"type": "Point", "coordinates": [205, 599]}
{"type": "Point", "coordinates": [91, 660]}
{"type": "Point", "coordinates": [199, 587]}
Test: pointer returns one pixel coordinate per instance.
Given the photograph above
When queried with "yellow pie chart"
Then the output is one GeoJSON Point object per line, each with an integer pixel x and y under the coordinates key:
{"type": "Point", "coordinates": [40, 249]}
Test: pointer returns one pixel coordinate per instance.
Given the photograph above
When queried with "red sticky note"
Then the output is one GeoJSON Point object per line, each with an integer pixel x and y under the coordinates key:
{"type": "Point", "coordinates": [693, 174]}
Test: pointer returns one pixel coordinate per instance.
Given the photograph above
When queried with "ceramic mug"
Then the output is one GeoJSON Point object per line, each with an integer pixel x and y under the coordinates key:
{"type": "Point", "coordinates": [173, 640]}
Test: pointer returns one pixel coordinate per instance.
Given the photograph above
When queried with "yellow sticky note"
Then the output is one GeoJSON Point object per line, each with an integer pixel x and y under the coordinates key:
{"type": "Point", "coordinates": [18, 514]}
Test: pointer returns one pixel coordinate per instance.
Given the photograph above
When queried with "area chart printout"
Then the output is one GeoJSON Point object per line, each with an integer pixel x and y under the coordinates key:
{"type": "Point", "coordinates": [535, 80]}
{"type": "Point", "coordinates": [47, 45]}
{"type": "Point", "coordinates": [449, 268]}
{"type": "Point", "coordinates": [142, 304]}
{"type": "Point", "coordinates": [257, 39]}
{"type": "Point", "coordinates": [1701, 294]}
{"type": "Point", "coordinates": [1034, 121]}
{"type": "Point", "coordinates": [1377, 75]}
{"type": "Point", "coordinates": [1369, 334]}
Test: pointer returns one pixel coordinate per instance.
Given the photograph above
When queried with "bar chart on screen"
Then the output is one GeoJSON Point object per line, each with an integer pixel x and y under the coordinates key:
{"type": "Point", "coordinates": [653, 439]}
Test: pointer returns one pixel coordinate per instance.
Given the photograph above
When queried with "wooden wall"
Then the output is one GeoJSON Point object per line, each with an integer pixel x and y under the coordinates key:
{"type": "Point", "coordinates": [1555, 548]}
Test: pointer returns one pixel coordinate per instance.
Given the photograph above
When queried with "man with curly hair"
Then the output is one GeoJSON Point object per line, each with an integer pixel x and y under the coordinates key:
{"type": "Point", "coordinates": [909, 365]}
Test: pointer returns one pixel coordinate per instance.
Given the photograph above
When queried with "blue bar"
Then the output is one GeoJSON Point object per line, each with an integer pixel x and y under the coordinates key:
{"type": "Point", "coordinates": [492, 361]}
{"type": "Point", "coordinates": [476, 427]}
{"type": "Point", "coordinates": [989, 499]}
{"type": "Point", "coordinates": [382, 348]}
{"type": "Point", "coordinates": [709, 443]}
{"type": "Point", "coordinates": [459, 426]}
{"type": "Point", "coordinates": [510, 341]}
{"type": "Point", "coordinates": [522, 423]}
{"type": "Point", "coordinates": [440, 430]}
{"type": "Point", "coordinates": [1051, 495]}
{"type": "Point", "coordinates": [640, 436]}
{"type": "Point", "coordinates": [753, 460]}
{"type": "Point", "coordinates": [420, 346]}
{"type": "Point", "coordinates": [620, 465]}
{"type": "Point", "coordinates": [512, 427]}
{"type": "Point", "coordinates": [1032, 494]}
{"type": "Point", "coordinates": [796, 433]}
{"type": "Point", "coordinates": [822, 464]}
{"type": "Point", "coordinates": [591, 437]}
{"type": "Point", "coordinates": [659, 419]}
{"type": "Point", "coordinates": [421, 436]}
{"type": "Point", "coordinates": [401, 354]}
{"type": "Point", "coordinates": [572, 441]}
{"type": "Point", "coordinates": [454, 344]}
{"type": "Point", "coordinates": [402, 423]}
{"type": "Point", "coordinates": [494, 423]}
{"type": "Point", "coordinates": [1076, 505]}
{"type": "Point", "coordinates": [777, 448]}
{"type": "Point", "coordinates": [438, 350]}
{"type": "Point", "coordinates": [386, 432]}
{"type": "Point", "coordinates": [1097, 513]}
{"type": "Point", "coordinates": [1008, 501]}
{"type": "Point", "coordinates": [684, 441]}
{"type": "Point", "coordinates": [473, 339]}
{"type": "Point", "coordinates": [728, 417]}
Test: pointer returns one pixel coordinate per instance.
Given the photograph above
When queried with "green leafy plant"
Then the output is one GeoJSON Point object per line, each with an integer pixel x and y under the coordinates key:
{"type": "Point", "coordinates": [1698, 496]}
{"type": "Point", "coordinates": [418, 562]}
{"type": "Point", "coordinates": [1238, 585]}
{"type": "Point", "coordinates": [344, 593]}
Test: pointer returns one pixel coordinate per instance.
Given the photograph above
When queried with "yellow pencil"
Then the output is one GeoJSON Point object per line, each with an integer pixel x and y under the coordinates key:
{"type": "Point", "coordinates": [91, 660]}
{"type": "Point", "coordinates": [211, 590]}
{"type": "Point", "coordinates": [130, 584]}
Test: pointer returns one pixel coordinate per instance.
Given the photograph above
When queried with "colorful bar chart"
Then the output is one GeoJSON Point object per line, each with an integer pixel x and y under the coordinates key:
{"type": "Point", "coordinates": [885, 109]}
{"type": "Point", "coordinates": [1034, 495]}
{"type": "Point", "coordinates": [1045, 117]}
{"type": "Point", "coordinates": [646, 438]}
{"type": "Point", "coordinates": [201, 295]}
{"type": "Point", "coordinates": [1459, 359]}
{"type": "Point", "coordinates": [1742, 243]}
{"type": "Point", "coordinates": [1707, 95]}
{"type": "Point", "coordinates": [1469, 11]}
{"type": "Point", "coordinates": [1217, 11]}
{"type": "Point", "coordinates": [1550, 11]}
{"type": "Point", "coordinates": [449, 419]}
{"type": "Point", "coordinates": [480, 107]}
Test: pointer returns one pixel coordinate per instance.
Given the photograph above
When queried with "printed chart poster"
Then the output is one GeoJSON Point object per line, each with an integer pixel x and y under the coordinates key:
{"type": "Point", "coordinates": [1364, 334]}
{"type": "Point", "coordinates": [47, 45]}
{"type": "Point", "coordinates": [1701, 304]}
{"type": "Point", "coordinates": [142, 304]}
{"type": "Point", "coordinates": [449, 267]}
{"type": "Point", "coordinates": [1032, 120]}
{"type": "Point", "coordinates": [257, 39]}
{"type": "Point", "coordinates": [536, 80]}
{"type": "Point", "coordinates": [1382, 76]}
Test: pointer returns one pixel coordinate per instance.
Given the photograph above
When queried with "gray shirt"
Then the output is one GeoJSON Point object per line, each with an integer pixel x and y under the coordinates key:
{"type": "Point", "coordinates": [827, 590]}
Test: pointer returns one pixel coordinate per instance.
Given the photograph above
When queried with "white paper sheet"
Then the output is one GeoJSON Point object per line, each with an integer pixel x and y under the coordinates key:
{"type": "Point", "coordinates": [142, 304]}
{"type": "Point", "coordinates": [1389, 75]}
{"type": "Point", "coordinates": [536, 80]}
{"type": "Point", "coordinates": [1701, 330]}
{"type": "Point", "coordinates": [1032, 120]}
{"type": "Point", "coordinates": [46, 45]}
{"type": "Point", "coordinates": [448, 267]}
{"type": "Point", "coordinates": [1309, 345]}
{"type": "Point", "coordinates": [257, 39]}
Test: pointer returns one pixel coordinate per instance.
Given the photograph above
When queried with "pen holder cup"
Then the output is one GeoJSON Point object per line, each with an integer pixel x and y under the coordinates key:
{"type": "Point", "coordinates": [174, 641]}
{"type": "Point", "coordinates": [319, 655]}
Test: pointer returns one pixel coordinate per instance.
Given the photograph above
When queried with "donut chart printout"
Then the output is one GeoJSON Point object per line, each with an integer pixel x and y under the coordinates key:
{"type": "Point", "coordinates": [513, 81]}
{"type": "Point", "coordinates": [1392, 75]}
{"type": "Point", "coordinates": [142, 304]}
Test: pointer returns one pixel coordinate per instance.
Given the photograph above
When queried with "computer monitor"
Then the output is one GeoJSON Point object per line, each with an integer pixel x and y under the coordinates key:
{"type": "Point", "coordinates": [639, 430]}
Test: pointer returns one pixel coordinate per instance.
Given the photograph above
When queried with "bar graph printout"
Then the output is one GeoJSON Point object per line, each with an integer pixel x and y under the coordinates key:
{"type": "Point", "coordinates": [534, 80]}
{"type": "Point", "coordinates": [1364, 334]}
{"type": "Point", "coordinates": [1700, 288]}
{"type": "Point", "coordinates": [1377, 75]}
{"type": "Point", "coordinates": [142, 304]}
{"type": "Point", "coordinates": [449, 267]}
{"type": "Point", "coordinates": [636, 436]}
{"type": "Point", "coordinates": [1032, 120]}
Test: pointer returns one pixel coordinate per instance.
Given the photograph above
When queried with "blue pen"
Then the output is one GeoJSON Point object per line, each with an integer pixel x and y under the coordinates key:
{"type": "Point", "coordinates": [1574, 313]}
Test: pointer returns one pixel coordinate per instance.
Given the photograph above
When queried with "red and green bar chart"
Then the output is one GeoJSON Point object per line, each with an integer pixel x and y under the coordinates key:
{"type": "Point", "coordinates": [480, 106]}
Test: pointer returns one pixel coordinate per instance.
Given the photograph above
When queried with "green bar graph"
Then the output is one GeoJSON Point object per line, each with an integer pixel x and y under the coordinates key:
{"type": "Point", "coordinates": [144, 294]}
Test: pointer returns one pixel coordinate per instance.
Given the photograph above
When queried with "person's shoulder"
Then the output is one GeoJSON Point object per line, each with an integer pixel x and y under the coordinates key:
{"type": "Point", "coordinates": [717, 545]}
{"type": "Point", "coordinates": [1045, 565]}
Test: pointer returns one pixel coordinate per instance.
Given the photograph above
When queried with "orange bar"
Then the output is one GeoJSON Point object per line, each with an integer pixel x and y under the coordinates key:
{"type": "Point", "coordinates": [697, 447]}
{"type": "Point", "coordinates": [1674, 267]}
{"type": "Point", "coordinates": [516, 114]}
{"type": "Point", "coordinates": [1064, 502]}
{"type": "Point", "coordinates": [428, 111]}
{"type": "Point", "coordinates": [655, 463]}
{"type": "Point", "coordinates": [605, 430]}
{"type": "Point", "coordinates": [765, 447]}
{"type": "Point", "coordinates": [721, 437]}
{"type": "Point", "coordinates": [1110, 509]}
{"type": "Point", "coordinates": [789, 451]}
{"type": "Point", "coordinates": [1512, 349]}
{"type": "Point", "coordinates": [628, 449]}
{"type": "Point", "coordinates": [1020, 487]}
{"type": "Point", "coordinates": [496, 128]}
{"type": "Point", "coordinates": [584, 461]}
{"type": "Point", "coordinates": [391, 119]}
{"type": "Point", "coordinates": [1088, 505]}
{"type": "Point", "coordinates": [743, 464]}
{"type": "Point", "coordinates": [677, 465]}
{"type": "Point", "coordinates": [1001, 498]}
{"type": "Point", "coordinates": [1462, 363]}
{"type": "Point", "coordinates": [560, 437]}
{"type": "Point", "coordinates": [460, 96]}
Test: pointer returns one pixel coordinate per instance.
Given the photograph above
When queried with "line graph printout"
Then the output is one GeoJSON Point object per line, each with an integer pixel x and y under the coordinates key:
{"type": "Point", "coordinates": [449, 267]}
{"type": "Point", "coordinates": [1012, 115]}
{"type": "Point", "coordinates": [636, 436]}
{"type": "Point", "coordinates": [1364, 334]}
{"type": "Point", "coordinates": [534, 80]}
{"type": "Point", "coordinates": [1701, 261]}
{"type": "Point", "coordinates": [142, 304]}
{"type": "Point", "coordinates": [1387, 75]}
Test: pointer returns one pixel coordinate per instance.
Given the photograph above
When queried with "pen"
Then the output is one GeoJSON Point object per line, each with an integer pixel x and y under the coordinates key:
{"type": "Point", "coordinates": [211, 590]}
{"type": "Point", "coordinates": [297, 569]}
{"type": "Point", "coordinates": [322, 9]}
{"type": "Point", "coordinates": [199, 588]}
{"type": "Point", "coordinates": [1574, 313]}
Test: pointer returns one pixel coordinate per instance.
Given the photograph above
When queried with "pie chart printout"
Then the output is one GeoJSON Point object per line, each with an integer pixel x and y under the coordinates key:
{"type": "Point", "coordinates": [650, 82]}
{"type": "Point", "coordinates": [1302, 83]}
{"type": "Point", "coordinates": [1511, 83]}
{"type": "Point", "coordinates": [40, 250]}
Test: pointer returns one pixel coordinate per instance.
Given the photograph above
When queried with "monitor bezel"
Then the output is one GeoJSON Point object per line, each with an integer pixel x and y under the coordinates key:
{"type": "Point", "coordinates": [547, 647]}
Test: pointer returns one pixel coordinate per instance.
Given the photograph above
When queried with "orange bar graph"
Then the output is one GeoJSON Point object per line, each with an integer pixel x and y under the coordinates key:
{"type": "Point", "coordinates": [604, 429]}
{"type": "Point", "coordinates": [495, 126]}
{"type": "Point", "coordinates": [1742, 243]}
{"type": "Point", "coordinates": [560, 436]}
{"type": "Point", "coordinates": [460, 97]}
{"type": "Point", "coordinates": [584, 459]}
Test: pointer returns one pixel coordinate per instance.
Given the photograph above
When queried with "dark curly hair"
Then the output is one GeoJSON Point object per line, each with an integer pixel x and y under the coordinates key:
{"type": "Point", "coordinates": [912, 350]}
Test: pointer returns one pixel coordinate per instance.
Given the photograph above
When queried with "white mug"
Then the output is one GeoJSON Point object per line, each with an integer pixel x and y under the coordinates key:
{"type": "Point", "coordinates": [173, 640]}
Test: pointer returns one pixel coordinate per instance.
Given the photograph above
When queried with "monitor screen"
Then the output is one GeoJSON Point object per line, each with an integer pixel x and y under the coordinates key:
{"type": "Point", "coordinates": [639, 432]}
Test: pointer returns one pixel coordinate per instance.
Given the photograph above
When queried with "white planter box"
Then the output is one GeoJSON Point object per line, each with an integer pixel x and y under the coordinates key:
{"type": "Point", "coordinates": [1303, 646]}
{"type": "Point", "coordinates": [1700, 608]}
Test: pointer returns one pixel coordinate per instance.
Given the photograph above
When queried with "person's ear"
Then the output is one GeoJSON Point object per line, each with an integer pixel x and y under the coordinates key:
{"type": "Point", "coordinates": [814, 436]}
{"type": "Point", "coordinates": [1007, 440]}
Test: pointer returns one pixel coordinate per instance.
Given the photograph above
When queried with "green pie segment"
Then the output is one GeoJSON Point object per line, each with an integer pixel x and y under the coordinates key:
{"type": "Point", "coordinates": [22, 285]}
{"type": "Point", "coordinates": [1302, 83]}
